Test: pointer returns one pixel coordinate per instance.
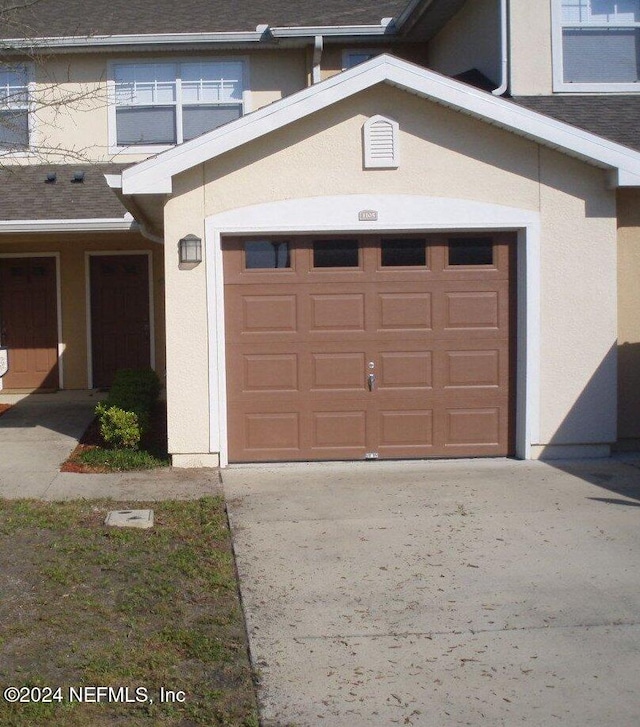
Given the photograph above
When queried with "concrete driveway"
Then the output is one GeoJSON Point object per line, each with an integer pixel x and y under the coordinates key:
{"type": "Point", "coordinates": [487, 592]}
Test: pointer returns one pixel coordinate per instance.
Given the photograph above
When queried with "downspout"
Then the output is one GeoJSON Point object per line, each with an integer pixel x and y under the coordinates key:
{"type": "Point", "coordinates": [504, 50]}
{"type": "Point", "coordinates": [318, 45]}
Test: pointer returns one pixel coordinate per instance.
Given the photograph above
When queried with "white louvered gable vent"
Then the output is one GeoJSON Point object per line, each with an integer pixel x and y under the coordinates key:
{"type": "Point", "coordinates": [380, 143]}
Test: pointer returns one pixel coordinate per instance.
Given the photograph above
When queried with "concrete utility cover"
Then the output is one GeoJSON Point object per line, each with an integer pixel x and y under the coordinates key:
{"type": "Point", "coordinates": [130, 518]}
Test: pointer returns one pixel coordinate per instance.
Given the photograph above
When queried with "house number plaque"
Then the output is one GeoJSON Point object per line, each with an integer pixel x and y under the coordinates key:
{"type": "Point", "coordinates": [368, 215]}
{"type": "Point", "coordinates": [4, 360]}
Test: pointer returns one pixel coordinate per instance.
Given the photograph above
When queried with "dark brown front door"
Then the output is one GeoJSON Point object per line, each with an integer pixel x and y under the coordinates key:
{"type": "Point", "coordinates": [29, 322]}
{"type": "Point", "coordinates": [119, 315]}
{"type": "Point", "coordinates": [388, 346]}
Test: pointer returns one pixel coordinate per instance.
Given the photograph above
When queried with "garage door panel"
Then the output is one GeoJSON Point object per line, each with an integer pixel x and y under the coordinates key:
{"type": "Point", "coordinates": [337, 312]}
{"type": "Point", "coordinates": [471, 310]}
{"type": "Point", "coordinates": [270, 372]}
{"type": "Point", "coordinates": [339, 429]}
{"type": "Point", "coordinates": [405, 369]}
{"type": "Point", "coordinates": [269, 313]}
{"type": "Point", "coordinates": [472, 369]}
{"type": "Point", "coordinates": [477, 426]}
{"type": "Point", "coordinates": [402, 311]}
{"type": "Point", "coordinates": [338, 370]}
{"type": "Point", "coordinates": [272, 431]}
{"type": "Point", "coordinates": [400, 429]}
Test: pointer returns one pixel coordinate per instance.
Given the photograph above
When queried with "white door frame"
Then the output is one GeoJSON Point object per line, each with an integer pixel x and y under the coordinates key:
{"type": "Point", "coordinates": [395, 214]}
{"type": "Point", "coordinates": [60, 345]}
{"type": "Point", "coordinates": [152, 329]}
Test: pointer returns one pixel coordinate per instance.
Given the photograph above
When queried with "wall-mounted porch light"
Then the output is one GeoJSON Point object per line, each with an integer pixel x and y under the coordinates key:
{"type": "Point", "coordinates": [190, 251]}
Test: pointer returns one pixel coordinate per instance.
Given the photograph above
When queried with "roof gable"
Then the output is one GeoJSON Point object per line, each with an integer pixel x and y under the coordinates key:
{"type": "Point", "coordinates": [155, 175]}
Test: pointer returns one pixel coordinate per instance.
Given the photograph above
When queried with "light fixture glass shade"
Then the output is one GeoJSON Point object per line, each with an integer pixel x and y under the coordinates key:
{"type": "Point", "coordinates": [190, 249]}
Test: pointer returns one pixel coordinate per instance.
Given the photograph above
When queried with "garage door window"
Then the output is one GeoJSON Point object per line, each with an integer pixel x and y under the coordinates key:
{"type": "Point", "coordinates": [264, 254]}
{"type": "Point", "coordinates": [403, 252]}
{"type": "Point", "coordinates": [335, 254]}
{"type": "Point", "coordinates": [471, 251]}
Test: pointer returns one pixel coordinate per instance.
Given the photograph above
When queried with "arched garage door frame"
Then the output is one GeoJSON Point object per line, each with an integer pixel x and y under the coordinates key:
{"type": "Point", "coordinates": [393, 213]}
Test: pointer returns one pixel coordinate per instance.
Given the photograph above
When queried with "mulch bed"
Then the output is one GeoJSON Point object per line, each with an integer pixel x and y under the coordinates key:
{"type": "Point", "coordinates": [154, 441]}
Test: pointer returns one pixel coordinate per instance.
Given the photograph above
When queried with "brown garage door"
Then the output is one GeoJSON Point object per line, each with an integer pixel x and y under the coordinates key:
{"type": "Point", "coordinates": [354, 347]}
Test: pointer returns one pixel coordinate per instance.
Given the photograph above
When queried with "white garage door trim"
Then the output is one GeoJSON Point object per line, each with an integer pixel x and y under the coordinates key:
{"type": "Point", "coordinates": [395, 213]}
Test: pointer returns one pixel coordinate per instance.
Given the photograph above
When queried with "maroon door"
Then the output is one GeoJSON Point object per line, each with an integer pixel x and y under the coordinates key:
{"type": "Point", "coordinates": [29, 322]}
{"type": "Point", "coordinates": [119, 315]}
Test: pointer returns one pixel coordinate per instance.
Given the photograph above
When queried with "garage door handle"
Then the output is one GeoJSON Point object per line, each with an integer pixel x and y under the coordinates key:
{"type": "Point", "coordinates": [371, 381]}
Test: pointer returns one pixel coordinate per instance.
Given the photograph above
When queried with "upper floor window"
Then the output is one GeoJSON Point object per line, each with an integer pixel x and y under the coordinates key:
{"type": "Point", "coordinates": [351, 58]}
{"type": "Point", "coordinates": [14, 107]}
{"type": "Point", "coordinates": [600, 43]}
{"type": "Point", "coordinates": [168, 103]}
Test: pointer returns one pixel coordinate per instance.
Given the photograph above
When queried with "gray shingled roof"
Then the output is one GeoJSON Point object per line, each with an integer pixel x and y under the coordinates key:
{"type": "Point", "coordinates": [612, 116]}
{"type": "Point", "coordinates": [49, 18]}
{"type": "Point", "coordinates": [27, 196]}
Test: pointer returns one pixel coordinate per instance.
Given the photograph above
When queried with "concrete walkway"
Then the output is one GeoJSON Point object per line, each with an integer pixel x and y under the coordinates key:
{"type": "Point", "coordinates": [40, 431]}
{"type": "Point", "coordinates": [485, 592]}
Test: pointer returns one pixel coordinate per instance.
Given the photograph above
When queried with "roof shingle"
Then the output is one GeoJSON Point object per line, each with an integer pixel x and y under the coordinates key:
{"type": "Point", "coordinates": [615, 117]}
{"type": "Point", "coordinates": [56, 18]}
{"type": "Point", "coordinates": [26, 195]}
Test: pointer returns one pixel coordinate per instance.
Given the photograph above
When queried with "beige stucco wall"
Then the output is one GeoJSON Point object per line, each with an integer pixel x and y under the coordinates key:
{"type": "Point", "coordinates": [443, 154]}
{"type": "Point", "coordinates": [629, 316]}
{"type": "Point", "coordinates": [530, 48]}
{"type": "Point", "coordinates": [72, 122]}
{"type": "Point", "coordinates": [187, 322]}
{"type": "Point", "coordinates": [73, 276]}
{"type": "Point", "coordinates": [471, 39]}
{"type": "Point", "coordinates": [579, 301]}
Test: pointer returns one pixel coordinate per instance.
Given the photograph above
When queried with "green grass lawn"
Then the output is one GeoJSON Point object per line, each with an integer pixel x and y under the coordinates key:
{"type": "Point", "coordinates": [85, 605]}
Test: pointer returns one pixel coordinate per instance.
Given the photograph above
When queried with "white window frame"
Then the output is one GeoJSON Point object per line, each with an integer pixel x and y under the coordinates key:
{"type": "Point", "coordinates": [31, 130]}
{"type": "Point", "coordinates": [557, 57]}
{"type": "Point", "coordinates": [114, 148]}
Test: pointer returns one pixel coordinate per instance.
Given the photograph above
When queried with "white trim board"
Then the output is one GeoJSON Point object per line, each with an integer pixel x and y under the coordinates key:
{"type": "Point", "coordinates": [396, 213]}
{"type": "Point", "coordinates": [152, 313]}
{"type": "Point", "coordinates": [60, 343]}
{"type": "Point", "coordinates": [154, 176]}
{"type": "Point", "coordinates": [106, 224]}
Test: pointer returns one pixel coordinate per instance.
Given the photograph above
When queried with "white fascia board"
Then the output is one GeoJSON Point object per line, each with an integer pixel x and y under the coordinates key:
{"type": "Point", "coordinates": [114, 180]}
{"type": "Point", "coordinates": [153, 176]}
{"type": "Point", "coordinates": [106, 224]}
{"type": "Point", "coordinates": [303, 31]}
{"type": "Point", "coordinates": [623, 178]}
{"type": "Point", "coordinates": [92, 41]}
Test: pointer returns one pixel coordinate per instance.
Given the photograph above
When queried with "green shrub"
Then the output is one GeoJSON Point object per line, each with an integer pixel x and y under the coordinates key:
{"type": "Point", "coordinates": [135, 390]}
{"type": "Point", "coordinates": [119, 428]}
{"type": "Point", "coordinates": [124, 415]}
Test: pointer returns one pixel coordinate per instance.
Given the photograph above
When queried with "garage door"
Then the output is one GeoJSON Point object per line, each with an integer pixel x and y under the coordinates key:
{"type": "Point", "coordinates": [370, 347]}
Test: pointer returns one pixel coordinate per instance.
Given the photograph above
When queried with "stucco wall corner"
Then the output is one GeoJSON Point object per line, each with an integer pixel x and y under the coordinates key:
{"type": "Point", "coordinates": [187, 323]}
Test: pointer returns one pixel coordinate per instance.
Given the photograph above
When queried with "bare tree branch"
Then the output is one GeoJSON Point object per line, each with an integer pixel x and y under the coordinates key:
{"type": "Point", "coordinates": [44, 99]}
